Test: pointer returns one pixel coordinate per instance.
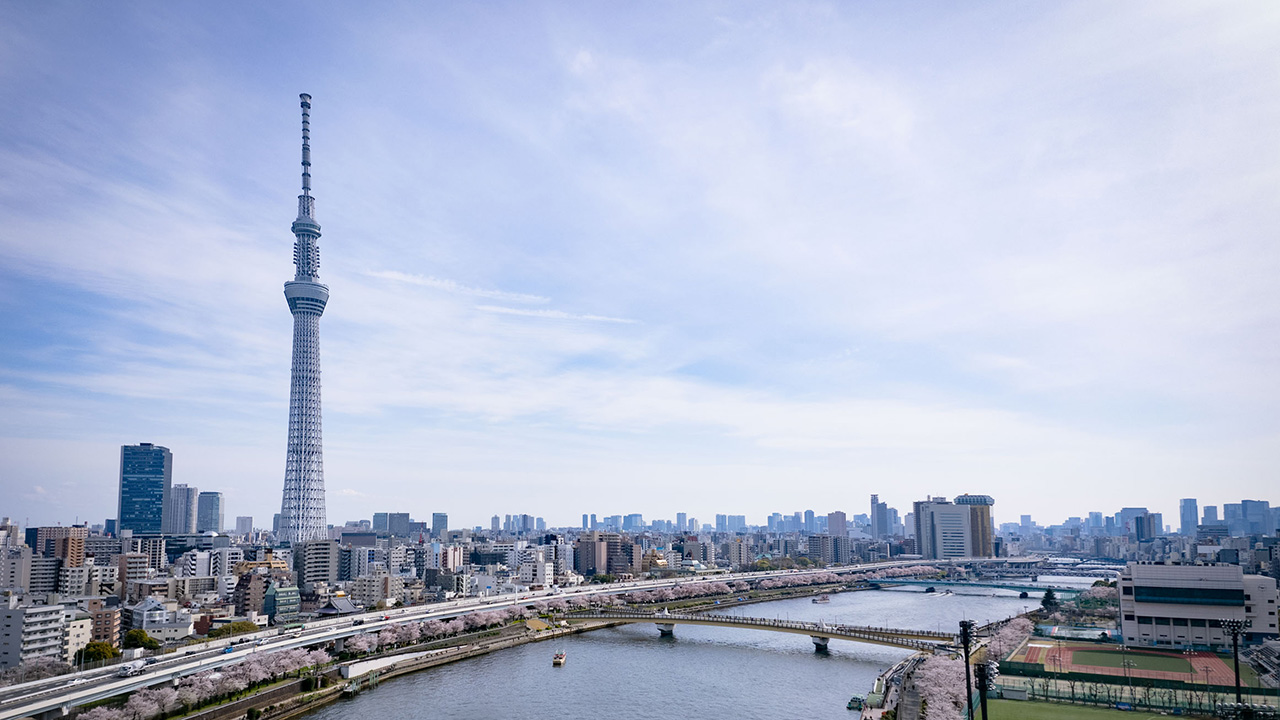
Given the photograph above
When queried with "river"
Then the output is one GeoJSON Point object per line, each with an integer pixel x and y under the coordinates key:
{"type": "Point", "coordinates": [631, 672]}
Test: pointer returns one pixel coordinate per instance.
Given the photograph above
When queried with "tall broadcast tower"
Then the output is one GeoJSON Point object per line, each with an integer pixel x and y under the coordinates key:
{"type": "Point", "coordinates": [302, 514]}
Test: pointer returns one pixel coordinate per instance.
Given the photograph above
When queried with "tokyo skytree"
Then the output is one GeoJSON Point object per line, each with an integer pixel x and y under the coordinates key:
{"type": "Point", "coordinates": [302, 515]}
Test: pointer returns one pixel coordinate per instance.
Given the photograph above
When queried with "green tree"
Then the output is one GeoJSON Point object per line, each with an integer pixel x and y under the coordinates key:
{"type": "Point", "coordinates": [139, 638]}
{"type": "Point", "coordinates": [96, 651]}
{"type": "Point", "coordinates": [1050, 600]}
{"type": "Point", "coordinates": [239, 627]}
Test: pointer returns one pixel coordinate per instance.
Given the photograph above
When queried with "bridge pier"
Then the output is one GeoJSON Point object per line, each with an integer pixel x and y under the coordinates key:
{"type": "Point", "coordinates": [53, 714]}
{"type": "Point", "coordinates": [666, 629]}
{"type": "Point", "coordinates": [340, 644]}
{"type": "Point", "coordinates": [819, 643]}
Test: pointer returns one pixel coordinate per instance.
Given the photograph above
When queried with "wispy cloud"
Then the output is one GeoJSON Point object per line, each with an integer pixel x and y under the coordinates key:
{"type": "Point", "coordinates": [453, 287]}
{"type": "Point", "coordinates": [552, 314]}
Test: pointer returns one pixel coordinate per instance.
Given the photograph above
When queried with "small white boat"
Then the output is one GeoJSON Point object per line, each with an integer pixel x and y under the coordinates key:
{"type": "Point", "coordinates": [558, 659]}
{"type": "Point", "coordinates": [824, 598]}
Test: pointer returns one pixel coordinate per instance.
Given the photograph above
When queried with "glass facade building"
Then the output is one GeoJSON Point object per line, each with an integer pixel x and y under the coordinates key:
{"type": "Point", "coordinates": [146, 475]}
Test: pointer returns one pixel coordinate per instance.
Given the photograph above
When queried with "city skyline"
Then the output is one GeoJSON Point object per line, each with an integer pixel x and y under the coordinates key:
{"type": "Point", "coordinates": [691, 254]}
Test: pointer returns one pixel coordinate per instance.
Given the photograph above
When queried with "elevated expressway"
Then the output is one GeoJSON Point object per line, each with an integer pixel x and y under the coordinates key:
{"type": "Point", "coordinates": [820, 633]}
{"type": "Point", "coordinates": [54, 697]}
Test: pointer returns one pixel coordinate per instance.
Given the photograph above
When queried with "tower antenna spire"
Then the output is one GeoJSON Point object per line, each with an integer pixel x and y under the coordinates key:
{"type": "Point", "coordinates": [306, 204]}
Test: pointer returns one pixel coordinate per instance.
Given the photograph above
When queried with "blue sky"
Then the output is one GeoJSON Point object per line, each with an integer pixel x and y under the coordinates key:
{"type": "Point", "coordinates": [657, 258]}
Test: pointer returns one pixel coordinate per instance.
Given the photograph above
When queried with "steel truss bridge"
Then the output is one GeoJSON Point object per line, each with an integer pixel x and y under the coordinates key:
{"type": "Point", "coordinates": [820, 633]}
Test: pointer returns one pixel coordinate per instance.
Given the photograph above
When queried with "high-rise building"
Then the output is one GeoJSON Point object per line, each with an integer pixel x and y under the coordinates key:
{"type": "Point", "coordinates": [981, 530]}
{"type": "Point", "coordinates": [1210, 515]}
{"type": "Point", "coordinates": [302, 509]}
{"type": "Point", "coordinates": [380, 522]}
{"type": "Point", "coordinates": [810, 523]}
{"type": "Point", "coordinates": [398, 524]}
{"type": "Point", "coordinates": [1257, 517]}
{"type": "Point", "coordinates": [722, 523]}
{"type": "Point", "coordinates": [495, 523]}
{"type": "Point", "coordinates": [244, 525]}
{"type": "Point", "coordinates": [1188, 516]}
{"type": "Point", "coordinates": [209, 514]}
{"type": "Point", "coordinates": [837, 524]}
{"type": "Point", "coordinates": [439, 524]}
{"type": "Point", "coordinates": [682, 522]}
{"type": "Point", "coordinates": [146, 475]}
{"type": "Point", "coordinates": [880, 526]}
{"type": "Point", "coordinates": [180, 510]}
{"type": "Point", "coordinates": [946, 530]}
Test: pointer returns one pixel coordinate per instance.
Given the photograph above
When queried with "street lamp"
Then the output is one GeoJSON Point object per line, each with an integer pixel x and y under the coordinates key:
{"type": "Point", "coordinates": [1235, 626]}
{"type": "Point", "coordinates": [966, 638]}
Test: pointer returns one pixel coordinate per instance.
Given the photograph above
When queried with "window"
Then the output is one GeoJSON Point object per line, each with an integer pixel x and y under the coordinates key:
{"type": "Point", "coordinates": [1197, 623]}
{"type": "Point", "coordinates": [1144, 620]}
{"type": "Point", "coordinates": [1162, 621]}
{"type": "Point", "coordinates": [1126, 590]}
{"type": "Point", "coordinates": [1129, 617]}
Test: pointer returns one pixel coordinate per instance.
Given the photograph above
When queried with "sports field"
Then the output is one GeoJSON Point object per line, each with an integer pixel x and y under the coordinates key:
{"type": "Point", "coordinates": [1141, 661]}
{"type": "Point", "coordinates": [1029, 710]}
{"type": "Point", "coordinates": [1195, 667]}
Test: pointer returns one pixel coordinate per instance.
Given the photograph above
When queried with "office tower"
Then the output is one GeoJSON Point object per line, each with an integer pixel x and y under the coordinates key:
{"type": "Point", "coordinates": [380, 522]}
{"type": "Point", "coordinates": [302, 512]}
{"type": "Point", "coordinates": [496, 522]}
{"type": "Point", "coordinates": [837, 524]}
{"type": "Point", "coordinates": [1256, 515]}
{"type": "Point", "coordinates": [398, 524]}
{"type": "Point", "coordinates": [810, 523]}
{"type": "Point", "coordinates": [439, 524]}
{"type": "Point", "coordinates": [1233, 516]}
{"type": "Point", "coordinates": [722, 523]}
{"type": "Point", "coordinates": [1187, 516]}
{"type": "Point", "coordinates": [1210, 515]}
{"type": "Point", "coordinates": [947, 530]}
{"type": "Point", "coordinates": [244, 525]}
{"type": "Point", "coordinates": [981, 530]}
{"type": "Point", "coordinates": [593, 521]}
{"type": "Point", "coordinates": [879, 519]}
{"type": "Point", "coordinates": [146, 475]}
{"type": "Point", "coordinates": [209, 512]}
{"type": "Point", "coordinates": [180, 510]}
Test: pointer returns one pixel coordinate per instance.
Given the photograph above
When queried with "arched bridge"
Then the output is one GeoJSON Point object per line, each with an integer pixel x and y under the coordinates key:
{"type": "Point", "coordinates": [820, 633]}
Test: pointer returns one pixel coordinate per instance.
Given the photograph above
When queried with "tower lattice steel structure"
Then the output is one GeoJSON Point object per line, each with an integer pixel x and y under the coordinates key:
{"type": "Point", "coordinates": [302, 515]}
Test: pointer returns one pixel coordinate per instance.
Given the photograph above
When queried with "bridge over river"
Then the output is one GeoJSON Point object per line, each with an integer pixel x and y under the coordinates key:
{"type": "Point", "coordinates": [1029, 589]}
{"type": "Point", "coordinates": [820, 633]}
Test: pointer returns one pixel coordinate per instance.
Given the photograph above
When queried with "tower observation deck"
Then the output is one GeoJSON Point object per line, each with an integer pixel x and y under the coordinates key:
{"type": "Point", "coordinates": [302, 511]}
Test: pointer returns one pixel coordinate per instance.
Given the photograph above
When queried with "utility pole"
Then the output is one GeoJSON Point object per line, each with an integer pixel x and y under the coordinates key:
{"type": "Point", "coordinates": [966, 638]}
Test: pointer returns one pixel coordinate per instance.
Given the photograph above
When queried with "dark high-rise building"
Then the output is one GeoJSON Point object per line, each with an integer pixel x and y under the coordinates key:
{"type": "Point", "coordinates": [380, 522]}
{"type": "Point", "coordinates": [1188, 516]}
{"type": "Point", "coordinates": [209, 512]}
{"type": "Point", "coordinates": [439, 524]}
{"type": "Point", "coordinates": [146, 475]}
{"type": "Point", "coordinates": [398, 524]}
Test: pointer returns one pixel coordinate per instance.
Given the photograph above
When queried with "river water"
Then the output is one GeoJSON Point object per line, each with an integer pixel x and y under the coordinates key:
{"type": "Point", "coordinates": [711, 672]}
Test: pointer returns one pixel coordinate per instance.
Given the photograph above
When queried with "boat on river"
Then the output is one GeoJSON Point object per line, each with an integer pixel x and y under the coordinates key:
{"type": "Point", "coordinates": [558, 659]}
{"type": "Point", "coordinates": [823, 598]}
{"type": "Point", "coordinates": [856, 702]}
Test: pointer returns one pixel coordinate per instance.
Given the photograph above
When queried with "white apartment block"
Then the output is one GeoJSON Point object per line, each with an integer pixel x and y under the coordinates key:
{"type": "Point", "coordinates": [30, 632]}
{"type": "Point", "coordinates": [1184, 606]}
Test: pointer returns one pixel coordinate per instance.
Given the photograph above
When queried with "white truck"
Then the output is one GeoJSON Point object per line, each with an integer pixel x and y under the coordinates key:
{"type": "Point", "coordinates": [130, 669]}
